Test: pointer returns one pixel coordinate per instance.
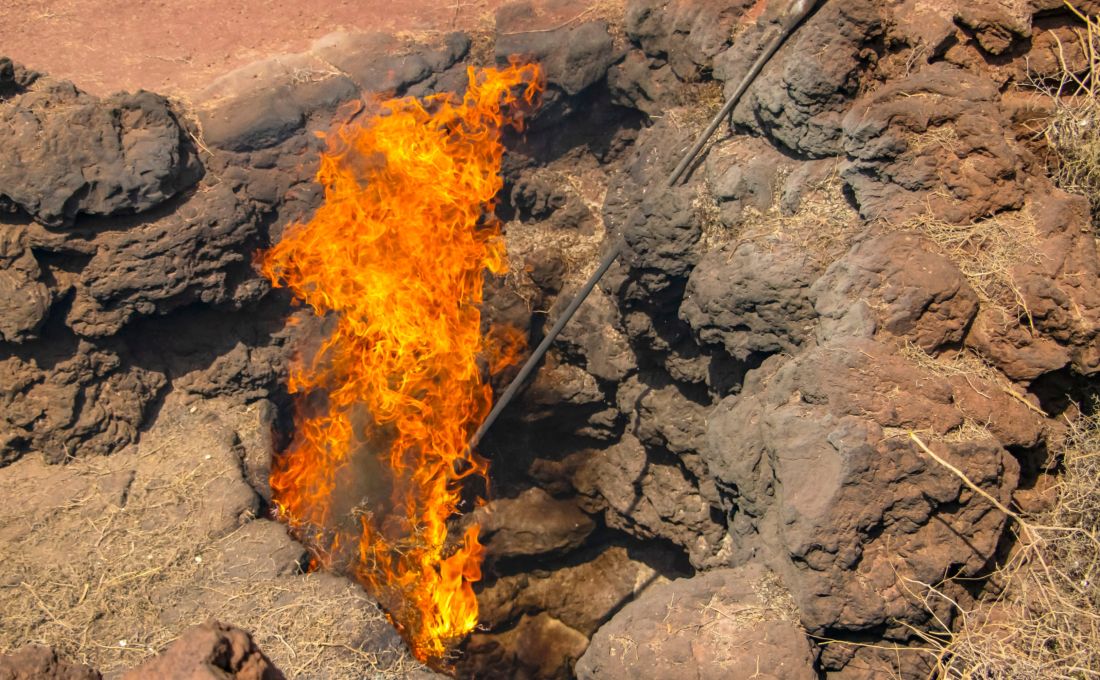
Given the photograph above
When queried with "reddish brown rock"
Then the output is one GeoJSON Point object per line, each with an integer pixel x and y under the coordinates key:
{"type": "Point", "coordinates": [533, 523]}
{"type": "Point", "coordinates": [899, 284]}
{"type": "Point", "coordinates": [822, 482]}
{"type": "Point", "coordinates": [581, 596]}
{"type": "Point", "coordinates": [211, 651]}
{"type": "Point", "coordinates": [38, 662]}
{"type": "Point", "coordinates": [1055, 321]}
{"type": "Point", "coordinates": [728, 623]}
{"type": "Point", "coordinates": [538, 648]}
{"type": "Point", "coordinates": [932, 144]}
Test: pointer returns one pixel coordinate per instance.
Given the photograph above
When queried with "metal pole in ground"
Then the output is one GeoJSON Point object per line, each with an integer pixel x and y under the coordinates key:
{"type": "Point", "coordinates": [796, 12]}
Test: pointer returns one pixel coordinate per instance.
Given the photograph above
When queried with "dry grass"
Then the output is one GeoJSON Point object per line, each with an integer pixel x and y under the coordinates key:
{"type": "Point", "coordinates": [579, 249]}
{"type": "Point", "coordinates": [1045, 620]}
{"type": "Point", "coordinates": [108, 560]}
{"type": "Point", "coordinates": [986, 252]}
{"type": "Point", "coordinates": [1072, 131]}
{"type": "Point", "coordinates": [823, 227]}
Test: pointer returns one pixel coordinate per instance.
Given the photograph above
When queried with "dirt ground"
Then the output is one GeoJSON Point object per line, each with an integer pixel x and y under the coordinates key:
{"type": "Point", "coordinates": [178, 47]}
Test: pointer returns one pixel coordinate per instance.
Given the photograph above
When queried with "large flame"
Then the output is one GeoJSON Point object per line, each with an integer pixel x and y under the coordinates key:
{"type": "Point", "coordinates": [395, 259]}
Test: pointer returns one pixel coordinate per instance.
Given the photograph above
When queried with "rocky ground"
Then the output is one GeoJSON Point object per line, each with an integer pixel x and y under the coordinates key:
{"type": "Point", "coordinates": [716, 473]}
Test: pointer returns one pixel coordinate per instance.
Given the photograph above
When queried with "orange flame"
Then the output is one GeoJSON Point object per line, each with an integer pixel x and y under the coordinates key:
{"type": "Point", "coordinates": [395, 256]}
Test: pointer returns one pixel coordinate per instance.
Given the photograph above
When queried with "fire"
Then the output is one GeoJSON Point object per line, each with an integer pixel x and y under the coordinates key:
{"type": "Point", "coordinates": [394, 259]}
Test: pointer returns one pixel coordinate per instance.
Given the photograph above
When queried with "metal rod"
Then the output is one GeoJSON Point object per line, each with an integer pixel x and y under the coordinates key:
{"type": "Point", "coordinates": [794, 15]}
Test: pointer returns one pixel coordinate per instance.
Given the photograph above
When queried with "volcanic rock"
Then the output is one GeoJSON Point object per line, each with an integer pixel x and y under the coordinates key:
{"type": "Point", "coordinates": [727, 623]}
{"type": "Point", "coordinates": [596, 338]}
{"type": "Point", "coordinates": [572, 58]}
{"type": "Point", "coordinates": [643, 83]}
{"type": "Point", "coordinates": [539, 647]}
{"type": "Point", "coordinates": [123, 154]}
{"type": "Point", "coordinates": [751, 298]}
{"type": "Point", "coordinates": [72, 399]}
{"type": "Point", "coordinates": [745, 180]}
{"type": "Point", "coordinates": [146, 267]}
{"type": "Point", "coordinates": [24, 296]}
{"type": "Point", "coordinates": [841, 509]}
{"type": "Point", "coordinates": [581, 596]}
{"type": "Point", "coordinates": [896, 282]}
{"type": "Point", "coordinates": [532, 524]}
{"type": "Point", "coordinates": [1056, 288]}
{"type": "Point", "coordinates": [266, 103]}
{"type": "Point", "coordinates": [379, 63]}
{"type": "Point", "coordinates": [804, 91]}
{"type": "Point", "coordinates": [647, 499]}
{"type": "Point", "coordinates": [211, 650]}
{"type": "Point", "coordinates": [932, 146]}
{"type": "Point", "coordinates": [38, 662]}
{"type": "Point", "coordinates": [688, 34]}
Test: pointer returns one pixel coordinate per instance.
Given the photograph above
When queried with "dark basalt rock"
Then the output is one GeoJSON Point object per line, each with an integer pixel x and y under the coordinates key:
{"type": "Point", "coordinates": [803, 92]}
{"type": "Point", "coordinates": [64, 153]}
{"type": "Point", "coordinates": [817, 488]}
{"type": "Point", "coordinates": [751, 299]}
{"type": "Point", "coordinates": [573, 58]}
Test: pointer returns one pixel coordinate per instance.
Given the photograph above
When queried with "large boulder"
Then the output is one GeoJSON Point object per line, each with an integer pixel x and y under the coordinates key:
{"type": "Point", "coordinates": [822, 482]}
{"type": "Point", "coordinates": [932, 146]}
{"type": "Point", "coordinates": [573, 57]}
{"type": "Point", "coordinates": [751, 298]}
{"type": "Point", "coordinates": [533, 523]}
{"type": "Point", "coordinates": [1053, 320]}
{"type": "Point", "coordinates": [899, 284]}
{"type": "Point", "coordinates": [198, 253]}
{"type": "Point", "coordinates": [649, 499]}
{"type": "Point", "coordinates": [727, 623]}
{"type": "Point", "coordinates": [65, 153]}
{"type": "Point", "coordinates": [803, 92]}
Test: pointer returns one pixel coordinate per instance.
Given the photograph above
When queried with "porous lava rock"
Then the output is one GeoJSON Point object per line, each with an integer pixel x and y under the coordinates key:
{"type": "Point", "coordinates": [732, 406]}
{"type": "Point", "coordinates": [821, 482]}
{"type": "Point", "coordinates": [212, 650]}
{"type": "Point", "coordinates": [39, 662]}
{"type": "Point", "coordinates": [802, 94]}
{"type": "Point", "coordinates": [685, 35]}
{"type": "Point", "coordinates": [932, 145]}
{"type": "Point", "coordinates": [573, 56]}
{"type": "Point", "coordinates": [647, 499]}
{"type": "Point", "coordinates": [896, 282]}
{"type": "Point", "coordinates": [64, 153]}
{"type": "Point", "coordinates": [1057, 321]}
{"type": "Point", "coordinates": [751, 298]}
{"type": "Point", "coordinates": [532, 524]}
{"type": "Point", "coordinates": [538, 646]}
{"type": "Point", "coordinates": [24, 296]}
{"type": "Point", "coordinates": [726, 623]}
{"type": "Point", "coordinates": [72, 399]}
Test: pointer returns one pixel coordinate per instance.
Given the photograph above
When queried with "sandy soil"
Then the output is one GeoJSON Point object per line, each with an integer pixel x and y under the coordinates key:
{"type": "Point", "coordinates": [178, 46]}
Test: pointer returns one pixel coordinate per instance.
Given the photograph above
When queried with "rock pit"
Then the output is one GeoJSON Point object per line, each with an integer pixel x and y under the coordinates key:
{"type": "Point", "coordinates": [712, 474]}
